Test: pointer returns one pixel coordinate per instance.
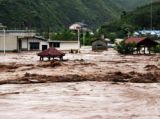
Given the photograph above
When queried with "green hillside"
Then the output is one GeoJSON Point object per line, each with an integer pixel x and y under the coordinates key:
{"type": "Point", "coordinates": [57, 14]}
{"type": "Point", "coordinates": [129, 5]}
{"type": "Point", "coordinates": [138, 19]}
{"type": "Point", "coordinates": [141, 17]}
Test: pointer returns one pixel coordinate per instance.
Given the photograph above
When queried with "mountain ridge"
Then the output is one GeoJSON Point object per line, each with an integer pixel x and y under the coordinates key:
{"type": "Point", "coordinates": [56, 15]}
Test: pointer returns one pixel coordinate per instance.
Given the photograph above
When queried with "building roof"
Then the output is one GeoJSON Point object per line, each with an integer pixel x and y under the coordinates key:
{"type": "Point", "coordinates": [64, 41]}
{"type": "Point", "coordinates": [135, 40]}
{"type": "Point", "coordinates": [51, 52]}
{"type": "Point", "coordinates": [77, 25]}
{"type": "Point", "coordinates": [141, 41]}
{"type": "Point", "coordinates": [32, 37]}
{"type": "Point", "coordinates": [102, 40]}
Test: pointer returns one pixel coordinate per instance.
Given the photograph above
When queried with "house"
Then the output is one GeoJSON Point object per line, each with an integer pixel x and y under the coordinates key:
{"type": "Point", "coordinates": [21, 40]}
{"type": "Point", "coordinates": [32, 43]}
{"type": "Point", "coordinates": [78, 25]}
{"type": "Point", "coordinates": [81, 26]}
{"type": "Point", "coordinates": [99, 45]}
{"type": "Point", "coordinates": [142, 42]}
{"type": "Point", "coordinates": [64, 45]}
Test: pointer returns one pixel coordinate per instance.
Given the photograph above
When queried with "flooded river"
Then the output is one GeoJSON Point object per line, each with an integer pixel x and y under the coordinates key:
{"type": "Point", "coordinates": [83, 100]}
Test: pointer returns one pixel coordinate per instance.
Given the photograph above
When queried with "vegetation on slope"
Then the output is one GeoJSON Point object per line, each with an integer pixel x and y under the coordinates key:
{"type": "Point", "coordinates": [57, 14]}
{"type": "Point", "coordinates": [53, 13]}
{"type": "Point", "coordinates": [138, 19]}
{"type": "Point", "coordinates": [129, 5]}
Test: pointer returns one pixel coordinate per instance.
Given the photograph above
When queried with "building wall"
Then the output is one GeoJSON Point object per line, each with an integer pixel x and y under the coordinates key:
{"type": "Point", "coordinates": [68, 46]}
{"type": "Point", "coordinates": [11, 39]}
{"type": "Point", "coordinates": [19, 33]}
{"type": "Point", "coordinates": [43, 43]}
{"type": "Point", "coordinates": [26, 43]}
{"type": "Point", "coordinates": [65, 45]}
{"type": "Point", "coordinates": [99, 45]}
{"type": "Point", "coordinates": [11, 42]}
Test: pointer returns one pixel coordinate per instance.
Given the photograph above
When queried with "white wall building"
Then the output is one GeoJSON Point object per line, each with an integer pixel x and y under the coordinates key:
{"type": "Point", "coordinates": [19, 40]}
{"type": "Point", "coordinates": [64, 45]}
{"type": "Point", "coordinates": [147, 32]}
{"type": "Point", "coordinates": [32, 43]}
{"type": "Point", "coordinates": [27, 41]}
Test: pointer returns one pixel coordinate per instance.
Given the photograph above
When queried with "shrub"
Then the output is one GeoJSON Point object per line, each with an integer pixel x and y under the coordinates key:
{"type": "Point", "coordinates": [124, 48]}
{"type": "Point", "coordinates": [156, 49]}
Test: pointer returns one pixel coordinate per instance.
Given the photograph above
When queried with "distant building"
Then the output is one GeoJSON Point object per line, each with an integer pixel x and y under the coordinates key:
{"type": "Point", "coordinates": [64, 45]}
{"type": "Point", "coordinates": [20, 40]}
{"type": "Point", "coordinates": [118, 40]}
{"type": "Point", "coordinates": [32, 43]}
{"type": "Point", "coordinates": [147, 32]}
{"type": "Point", "coordinates": [78, 25]}
{"type": "Point", "coordinates": [99, 45]}
{"type": "Point", "coordinates": [141, 42]}
{"type": "Point", "coordinates": [81, 26]}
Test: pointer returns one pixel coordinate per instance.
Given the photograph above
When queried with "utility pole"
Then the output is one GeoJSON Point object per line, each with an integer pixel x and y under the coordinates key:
{"type": "Point", "coordinates": [84, 34]}
{"type": "Point", "coordinates": [151, 15]}
{"type": "Point", "coordinates": [4, 38]}
{"type": "Point", "coordinates": [78, 30]}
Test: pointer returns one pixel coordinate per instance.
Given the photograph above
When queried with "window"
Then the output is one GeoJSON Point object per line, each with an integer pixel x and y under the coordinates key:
{"type": "Point", "coordinates": [56, 44]}
{"type": "Point", "coordinates": [34, 46]}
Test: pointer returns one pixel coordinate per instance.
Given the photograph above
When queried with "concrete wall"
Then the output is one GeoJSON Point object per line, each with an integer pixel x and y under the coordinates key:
{"type": "Point", "coordinates": [99, 45]}
{"type": "Point", "coordinates": [11, 39]}
{"type": "Point", "coordinates": [44, 43]}
{"type": "Point", "coordinates": [19, 33]}
{"type": "Point", "coordinates": [65, 45]}
{"type": "Point", "coordinates": [26, 43]}
{"type": "Point", "coordinates": [11, 42]}
{"type": "Point", "coordinates": [68, 45]}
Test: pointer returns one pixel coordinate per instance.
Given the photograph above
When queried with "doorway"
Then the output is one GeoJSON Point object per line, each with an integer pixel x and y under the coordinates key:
{"type": "Point", "coordinates": [44, 47]}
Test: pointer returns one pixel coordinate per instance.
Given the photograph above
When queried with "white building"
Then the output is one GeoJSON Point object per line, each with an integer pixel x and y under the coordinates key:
{"type": "Point", "coordinates": [147, 32]}
{"type": "Point", "coordinates": [22, 40]}
{"type": "Point", "coordinates": [77, 25]}
{"type": "Point", "coordinates": [118, 40]}
{"type": "Point", "coordinates": [32, 43]}
{"type": "Point", "coordinates": [64, 45]}
{"type": "Point", "coordinates": [19, 40]}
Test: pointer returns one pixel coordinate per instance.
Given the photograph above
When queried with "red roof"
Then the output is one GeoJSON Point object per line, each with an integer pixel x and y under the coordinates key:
{"type": "Point", "coordinates": [52, 52]}
{"type": "Point", "coordinates": [135, 40]}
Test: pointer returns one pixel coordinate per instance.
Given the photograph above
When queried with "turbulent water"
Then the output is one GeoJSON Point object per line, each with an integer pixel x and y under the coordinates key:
{"type": "Point", "coordinates": [85, 100]}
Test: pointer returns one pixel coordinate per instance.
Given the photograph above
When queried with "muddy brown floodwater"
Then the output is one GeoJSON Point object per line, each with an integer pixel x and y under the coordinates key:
{"type": "Point", "coordinates": [81, 100]}
{"type": "Point", "coordinates": [90, 85]}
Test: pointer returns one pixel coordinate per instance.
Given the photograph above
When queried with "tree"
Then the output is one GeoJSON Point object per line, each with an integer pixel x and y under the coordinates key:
{"type": "Point", "coordinates": [124, 48]}
{"type": "Point", "coordinates": [64, 35]}
{"type": "Point", "coordinates": [112, 36]}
